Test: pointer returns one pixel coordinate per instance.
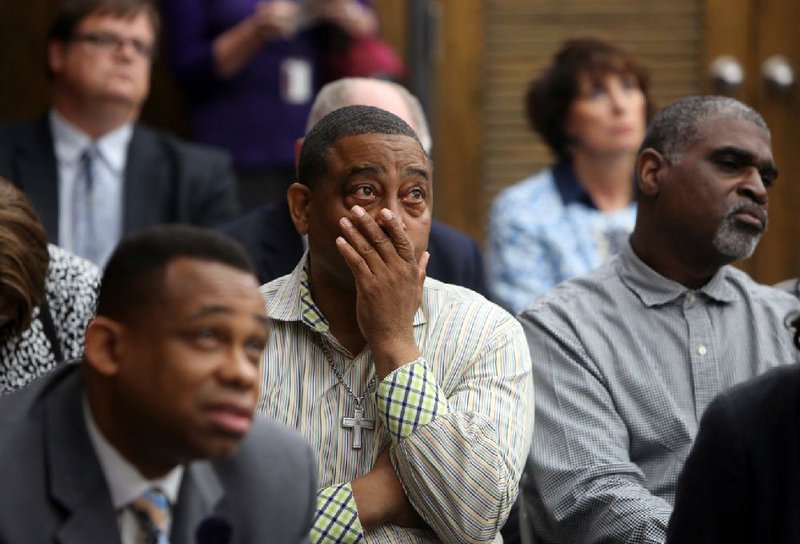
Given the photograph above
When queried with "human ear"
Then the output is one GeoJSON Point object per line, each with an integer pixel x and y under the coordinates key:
{"type": "Point", "coordinates": [650, 168]}
{"type": "Point", "coordinates": [298, 197]}
{"type": "Point", "coordinates": [55, 56]}
{"type": "Point", "coordinates": [104, 345]}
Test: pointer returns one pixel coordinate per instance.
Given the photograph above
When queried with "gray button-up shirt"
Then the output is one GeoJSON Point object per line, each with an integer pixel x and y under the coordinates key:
{"type": "Point", "coordinates": [625, 362]}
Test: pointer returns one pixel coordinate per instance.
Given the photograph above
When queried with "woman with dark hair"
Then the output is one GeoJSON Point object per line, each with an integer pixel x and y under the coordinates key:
{"type": "Point", "coordinates": [47, 295]}
{"type": "Point", "coordinates": [591, 107]}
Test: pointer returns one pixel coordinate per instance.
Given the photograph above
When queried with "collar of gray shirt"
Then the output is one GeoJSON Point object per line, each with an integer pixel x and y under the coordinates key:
{"type": "Point", "coordinates": [654, 289]}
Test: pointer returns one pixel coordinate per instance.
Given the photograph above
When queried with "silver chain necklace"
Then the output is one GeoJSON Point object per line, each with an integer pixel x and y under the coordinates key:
{"type": "Point", "coordinates": [358, 421]}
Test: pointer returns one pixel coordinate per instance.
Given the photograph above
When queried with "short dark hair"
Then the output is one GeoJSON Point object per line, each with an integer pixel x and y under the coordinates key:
{"type": "Point", "coordinates": [341, 123]}
{"type": "Point", "coordinates": [133, 277]}
{"type": "Point", "coordinates": [552, 92]}
{"type": "Point", "coordinates": [680, 125]}
{"type": "Point", "coordinates": [24, 256]}
{"type": "Point", "coordinates": [72, 12]}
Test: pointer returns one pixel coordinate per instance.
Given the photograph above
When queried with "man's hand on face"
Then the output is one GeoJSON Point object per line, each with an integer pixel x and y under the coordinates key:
{"type": "Point", "coordinates": [388, 280]}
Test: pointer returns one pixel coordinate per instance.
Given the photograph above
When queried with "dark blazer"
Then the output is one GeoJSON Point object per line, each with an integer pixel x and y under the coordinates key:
{"type": "Point", "coordinates": [166, 180]}
{"type": "Point", "coordinates": [52, 487]}
{"type": "Point", "coordinates": [741, 481]}
{"type": "Point", "coordinates": [271, 240]}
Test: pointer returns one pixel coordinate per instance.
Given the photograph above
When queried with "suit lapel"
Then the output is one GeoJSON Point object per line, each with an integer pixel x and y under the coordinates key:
{"type": "Point", "coordinates": [200, 493]}
{"type": "Point", "coordinates": [147, 184]}
{"type": "Point", "coordinates": [76, 479]}
{"type": "Point", "coordinates": [37, 175]}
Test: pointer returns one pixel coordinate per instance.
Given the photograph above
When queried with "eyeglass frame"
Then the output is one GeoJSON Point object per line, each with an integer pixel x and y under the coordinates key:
{"type": "Point", "coordinates": [108, 41]}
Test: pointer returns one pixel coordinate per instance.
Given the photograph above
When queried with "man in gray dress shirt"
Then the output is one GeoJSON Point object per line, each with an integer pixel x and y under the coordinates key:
{"type": "Point", "coordinates": [627, 358]}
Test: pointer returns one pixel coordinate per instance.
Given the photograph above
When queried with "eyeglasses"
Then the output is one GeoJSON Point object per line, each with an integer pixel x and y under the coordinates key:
{"type": "Point", "coordinates": [105, 41]}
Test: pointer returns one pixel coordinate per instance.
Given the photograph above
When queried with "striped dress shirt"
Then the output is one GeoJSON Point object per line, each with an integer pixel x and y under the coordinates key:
{"type": "Point", "coordinates": [626, 362]}
{"type": "Point", "coordinates": [460, 470]}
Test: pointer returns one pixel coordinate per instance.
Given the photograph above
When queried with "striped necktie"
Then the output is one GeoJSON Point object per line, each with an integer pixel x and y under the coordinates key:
{"type": "Point", "coordinates": [151, 511]}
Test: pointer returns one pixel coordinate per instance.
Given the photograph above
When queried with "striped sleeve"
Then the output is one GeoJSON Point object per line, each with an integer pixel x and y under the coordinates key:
{"type": "Point", "coordinates": [461, 470]}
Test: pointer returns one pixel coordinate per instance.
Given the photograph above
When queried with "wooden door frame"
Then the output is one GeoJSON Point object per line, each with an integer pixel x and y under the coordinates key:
{"type": "Point", "coordinates": [457, 106]}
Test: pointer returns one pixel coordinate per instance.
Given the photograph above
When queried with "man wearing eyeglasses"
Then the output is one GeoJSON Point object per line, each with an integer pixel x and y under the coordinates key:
{"type": "Point", "coordinates": [93, 173]}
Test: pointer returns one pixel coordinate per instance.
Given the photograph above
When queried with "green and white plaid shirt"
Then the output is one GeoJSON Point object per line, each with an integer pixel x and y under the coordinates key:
{"type": "Point", "coordinates": [458, 421]}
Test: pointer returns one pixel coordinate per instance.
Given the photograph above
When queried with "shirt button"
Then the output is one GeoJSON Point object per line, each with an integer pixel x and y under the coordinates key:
{"type": "Point", "coordinates": [702, 350]}
{"type": "Point", "coordinates": [690, 298]}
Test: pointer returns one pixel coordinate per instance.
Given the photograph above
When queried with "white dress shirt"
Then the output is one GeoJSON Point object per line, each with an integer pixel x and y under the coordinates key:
{"type": "Point", "coordinates": [69, 143]}
{"type": "Point", "coordinates": [125, 483]}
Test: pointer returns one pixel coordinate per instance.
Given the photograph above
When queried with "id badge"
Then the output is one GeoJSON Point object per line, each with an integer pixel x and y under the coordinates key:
{"type": "Point", "coordinates": [296, 81]}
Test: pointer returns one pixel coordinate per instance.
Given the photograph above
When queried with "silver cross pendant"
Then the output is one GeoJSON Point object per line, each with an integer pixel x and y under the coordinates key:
{"type": "Point", "coordinates": [357, 422]}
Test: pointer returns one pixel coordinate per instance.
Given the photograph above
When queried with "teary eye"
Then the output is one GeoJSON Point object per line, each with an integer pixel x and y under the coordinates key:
{"type": "Point", "coordinates": [364, 190]}
{"type": "Point", "coordinates": [416, 194]}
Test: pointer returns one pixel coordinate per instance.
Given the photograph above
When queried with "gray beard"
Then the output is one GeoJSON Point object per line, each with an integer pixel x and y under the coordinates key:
{"type": "Point", "coordinates": [733, 241]}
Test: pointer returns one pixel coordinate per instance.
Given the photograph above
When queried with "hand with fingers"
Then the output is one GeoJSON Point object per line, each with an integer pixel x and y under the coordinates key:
{"type": "Point", "coordinates": [276, 18]}
{"type": "Point", "coordinates": [349, 15]}
{"type": "Point", "coordinates": [389, 278]}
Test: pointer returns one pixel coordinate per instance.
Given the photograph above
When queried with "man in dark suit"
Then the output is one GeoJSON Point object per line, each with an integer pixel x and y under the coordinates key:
{"type": "Point", "coordinates": [268, 233]}
{"type": "Point", "coordinates": [93, 173]}
{"type": "Point", "coordinates": [153, 433]}
{"type": "Point", "coordinates": [741, 482]}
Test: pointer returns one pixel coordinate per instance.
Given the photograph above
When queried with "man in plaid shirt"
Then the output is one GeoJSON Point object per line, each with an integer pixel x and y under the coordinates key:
{"type": "Point", "coordinates": [416, 394]}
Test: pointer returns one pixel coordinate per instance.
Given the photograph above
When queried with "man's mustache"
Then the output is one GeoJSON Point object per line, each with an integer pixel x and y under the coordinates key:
{"type": "Point", "coordinates": [750, 208]}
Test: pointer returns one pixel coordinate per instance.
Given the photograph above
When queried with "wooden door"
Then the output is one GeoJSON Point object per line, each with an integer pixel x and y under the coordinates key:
{"type": "Point", "coordinates": [752, 31]}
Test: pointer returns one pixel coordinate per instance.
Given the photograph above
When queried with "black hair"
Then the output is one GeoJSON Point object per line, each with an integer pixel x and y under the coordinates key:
{"type": "Point", "coordinates": [133, 276]}
{"type": "Point", "coordinates": [24, 257]}
{"type": "Point", "coordinates": [341, 123]}
{"type": "Point", "coordinates": [680, 125]}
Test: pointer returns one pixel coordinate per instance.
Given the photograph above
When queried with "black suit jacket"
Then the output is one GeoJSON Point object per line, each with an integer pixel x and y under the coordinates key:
{"type": "Point", "coordinates": [166, 180]}
{"type": "Point", "coordinates": [274, 245]}
{"type": "Point", "coordinates": [52, 488]}
{"type": "Point", "coordinates": [741, 481]}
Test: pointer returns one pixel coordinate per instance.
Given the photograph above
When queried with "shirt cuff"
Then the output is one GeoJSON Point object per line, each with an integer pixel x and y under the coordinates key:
{"type": "Point", "coordinates": [409, 398]}
{"type": "Point", "coordinates": [336, 520]}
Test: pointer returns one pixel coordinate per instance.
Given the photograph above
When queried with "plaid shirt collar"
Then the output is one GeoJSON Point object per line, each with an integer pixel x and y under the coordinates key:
{"type": "Point", "coordinates": [293, 301]}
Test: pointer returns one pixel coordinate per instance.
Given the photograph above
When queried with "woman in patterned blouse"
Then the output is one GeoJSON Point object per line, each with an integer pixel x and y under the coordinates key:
{"type": "Point", "coordinates": [47, 295]}
{"type": "Point", "coordinates": [591, 107]}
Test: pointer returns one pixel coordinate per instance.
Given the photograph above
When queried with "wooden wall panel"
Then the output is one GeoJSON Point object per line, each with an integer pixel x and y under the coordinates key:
{"type": "Point", "coordinates": [392, 17]}
{"type": "Point", "coordinates": [522, 35]}
{"type": "Point", "coordinates": [23, 26]}
{"type": "Point", "coordinates": [458, 132]}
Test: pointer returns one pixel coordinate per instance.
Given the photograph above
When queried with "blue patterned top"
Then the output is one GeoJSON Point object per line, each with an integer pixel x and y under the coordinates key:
{"type": "Point", "coordinates": [544, 230]}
